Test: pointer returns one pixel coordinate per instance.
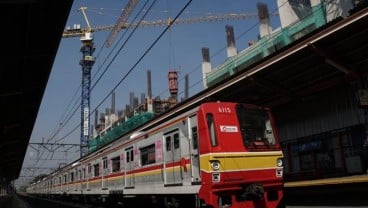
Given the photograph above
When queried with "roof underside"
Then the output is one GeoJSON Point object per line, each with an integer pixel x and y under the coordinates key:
{"type": "Point", "coordinates": [31, 33]}
{"type": "Point", "coordinates": [333, 56]}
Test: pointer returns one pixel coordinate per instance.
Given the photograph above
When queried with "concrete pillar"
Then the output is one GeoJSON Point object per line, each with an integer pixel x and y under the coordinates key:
{"type": "Point", "coordinates": [292, 11]}
{"type": "Point", "coordinates": [338, 8]}
{"type": "Point", "coordinates": [231, 49]}
{"type": "Point", "coordinates": [206, 65]}
{"type": "Point", "coordinates": [264, 20]}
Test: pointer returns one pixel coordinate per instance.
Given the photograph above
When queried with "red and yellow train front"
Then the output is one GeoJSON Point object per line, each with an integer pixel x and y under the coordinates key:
{"type": "Point", "coordinates": [240, 156]}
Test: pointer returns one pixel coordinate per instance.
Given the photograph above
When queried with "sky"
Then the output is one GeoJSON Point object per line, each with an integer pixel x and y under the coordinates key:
{"type": "Point", "coordinates": [178, 49]}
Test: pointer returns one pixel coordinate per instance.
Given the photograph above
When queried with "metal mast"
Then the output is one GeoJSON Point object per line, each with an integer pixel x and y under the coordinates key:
{"type": "Point", "coordinates": [86, 62]}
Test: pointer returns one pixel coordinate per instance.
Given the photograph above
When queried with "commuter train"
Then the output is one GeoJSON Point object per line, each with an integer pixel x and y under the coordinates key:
{"type": "Point", "coordinates": [217, 154]}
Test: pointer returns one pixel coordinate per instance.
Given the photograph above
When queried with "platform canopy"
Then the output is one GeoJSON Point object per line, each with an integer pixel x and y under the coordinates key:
{"type": "Point", "coordinates": [31, 31]}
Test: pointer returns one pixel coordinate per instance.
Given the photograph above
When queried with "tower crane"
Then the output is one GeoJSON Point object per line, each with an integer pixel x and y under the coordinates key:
{"type": "Point", "coordinates": [87, 62]}
{"type": "Point", "coordinates": [78, 32]}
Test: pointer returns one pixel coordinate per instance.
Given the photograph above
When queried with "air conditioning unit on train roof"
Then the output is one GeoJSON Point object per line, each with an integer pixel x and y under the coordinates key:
{"type": "Point", "coordinates": [136, 134]}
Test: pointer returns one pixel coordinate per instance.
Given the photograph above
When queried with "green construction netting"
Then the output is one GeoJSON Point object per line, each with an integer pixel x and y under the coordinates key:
{"type": "Point", "coordinates": [119, 130]}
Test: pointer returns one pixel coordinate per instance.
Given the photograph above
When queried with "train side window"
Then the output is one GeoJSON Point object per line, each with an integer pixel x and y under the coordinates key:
{"type": "Point", "coordinates": [168, 143]}
{"type": "Point", "coordinates": [79, 174]}
{"type": "Point", "coordinates": [89, 169]}
{"type": "Point", "coordinates": [176, 141]}
{"type": "Point", "coordinates": [96, 170]}
{"type": "Point", "coordinates": [148, 155]}
{"type": "Point", "coordinates": [71, 176]}
{"type": "Point", "coordinates": [211, 129]}
{"type": "Point", "coordinates": [83, 176]}
{"type": "Point", "coordinates": [131, 155]}
{"type": "Point", "coordinates": [195, 137]}
{"type": "Point", "coordinates": [104, 163]}
{"type": "Point", "coordinates": [127, 158]}
{"type": "Point", "coordinates": [115, 164]}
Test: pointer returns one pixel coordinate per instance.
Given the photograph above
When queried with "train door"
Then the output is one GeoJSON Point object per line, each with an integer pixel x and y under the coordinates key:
{"type": "Point", "coordinates": [129, 168]}
{"type": "Point", "coordinates": [194, 153]}
{"type": "Point", "coordinates": [172, 167]}
{"type": "Point", "coordinates": [79, 178]}
{"type": "Point", "coordinates": [83, 179]}
{"type": "Point", "coordinates": [104, 174]}
{"type": "Point", "coordinates": [89, 176]}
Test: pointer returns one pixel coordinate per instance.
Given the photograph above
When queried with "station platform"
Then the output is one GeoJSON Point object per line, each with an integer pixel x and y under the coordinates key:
{"type": "Point", "coordinates": [328, 181]}
{"type": "Point", "coordinates": [339, 191]}
{"type": "Point", "coordinates": [13, 201]}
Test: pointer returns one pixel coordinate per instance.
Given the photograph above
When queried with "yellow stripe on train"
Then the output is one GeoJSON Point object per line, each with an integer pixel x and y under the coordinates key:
{"type": "Point", "coordinates": [237, 161]}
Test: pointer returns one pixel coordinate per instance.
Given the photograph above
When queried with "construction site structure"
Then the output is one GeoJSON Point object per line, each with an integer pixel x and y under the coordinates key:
{"type": "Point", "coordinates": [111, 125]}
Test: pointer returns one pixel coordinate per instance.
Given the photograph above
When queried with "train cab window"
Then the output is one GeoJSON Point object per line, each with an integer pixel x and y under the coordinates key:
{"type": "Point", "coordinates": [148, 155]}
{"type": "Point", "coordinates": [255, 126]}
{"type": "Point", "coordinates": [195, 137]}
{"type": "Point", "coordinates": [115, 164]}
{"type": "Point", "coordinates": [176, 141]}
{"type": "Point", "coordinates": [211, 129]}
{"type": "Point", "coordinates": [96, 170]}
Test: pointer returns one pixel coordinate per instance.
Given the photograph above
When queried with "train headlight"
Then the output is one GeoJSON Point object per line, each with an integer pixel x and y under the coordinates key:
{"type": "Point", "coordinates": [279, 162]}
{"type": "Point", "coordinates": [215, 165]}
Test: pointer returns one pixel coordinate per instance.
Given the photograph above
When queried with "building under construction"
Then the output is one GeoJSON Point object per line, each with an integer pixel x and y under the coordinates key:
{"type": "Point", "coordinates": [113, 124]}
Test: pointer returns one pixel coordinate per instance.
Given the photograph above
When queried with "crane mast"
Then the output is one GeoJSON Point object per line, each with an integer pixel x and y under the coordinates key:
{"type": "Point", "coordinates": [86, 62]}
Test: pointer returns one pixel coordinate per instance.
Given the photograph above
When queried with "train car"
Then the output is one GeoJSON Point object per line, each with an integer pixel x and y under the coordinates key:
{"type": "Point", "coordinates": [218, 154]}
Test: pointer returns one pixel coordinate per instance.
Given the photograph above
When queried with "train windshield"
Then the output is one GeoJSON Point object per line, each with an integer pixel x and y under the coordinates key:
{"type": "Point", "coordinates": [255, 126]}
